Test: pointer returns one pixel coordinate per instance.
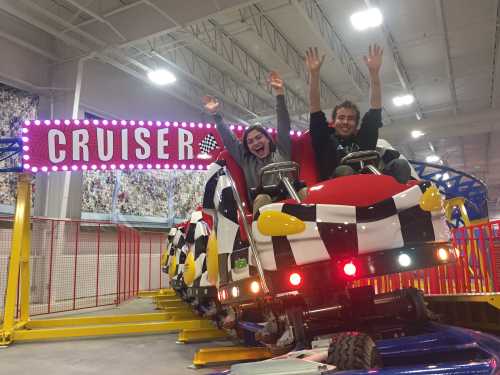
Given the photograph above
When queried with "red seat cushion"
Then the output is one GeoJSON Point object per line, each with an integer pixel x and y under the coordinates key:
{"type": "Point", "coordinates": [303, 154]}
{"type": "Point", "coordinates": [357, 190]}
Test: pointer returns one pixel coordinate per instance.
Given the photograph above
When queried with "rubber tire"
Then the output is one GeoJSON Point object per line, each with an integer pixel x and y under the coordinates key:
{"type": "Point", "coordinates": [353, 351]}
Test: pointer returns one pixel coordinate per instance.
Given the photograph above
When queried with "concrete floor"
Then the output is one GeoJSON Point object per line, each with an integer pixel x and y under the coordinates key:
{"type": "Point", "coordinates": [150, 355]}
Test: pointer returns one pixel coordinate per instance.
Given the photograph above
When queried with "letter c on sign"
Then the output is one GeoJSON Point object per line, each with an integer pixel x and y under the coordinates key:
{"type": "Point", "coordinates": [61, 140]}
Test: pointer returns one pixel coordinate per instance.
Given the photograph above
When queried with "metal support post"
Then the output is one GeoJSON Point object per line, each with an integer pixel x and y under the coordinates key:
{"type": "Point", "coordinates": [19, 262]}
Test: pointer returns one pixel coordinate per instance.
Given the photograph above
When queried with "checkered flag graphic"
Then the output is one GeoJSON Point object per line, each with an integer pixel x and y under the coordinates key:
{"type": "Point", "coordinates": [208, 144]}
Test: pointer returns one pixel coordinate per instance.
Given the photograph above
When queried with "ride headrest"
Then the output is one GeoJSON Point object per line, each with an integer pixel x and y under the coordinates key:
{"type": "Point", "coordinates": [237, 175]}
{"type": "Point", "coordinates": [196, 216]}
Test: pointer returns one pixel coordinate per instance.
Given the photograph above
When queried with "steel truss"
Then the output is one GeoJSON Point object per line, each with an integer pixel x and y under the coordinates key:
{"type": "Point", "coordinates": [456, 184]}
{"type": "Point", "coordinates": [215, 38]}
{"type": "Point", "coordinates": [270, 34]}
{"type": "Point", "coordinates": [203, 73]}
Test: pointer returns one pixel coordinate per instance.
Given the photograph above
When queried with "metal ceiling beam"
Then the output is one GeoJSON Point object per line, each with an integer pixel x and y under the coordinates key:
{"type": "Point", "coordinates": [215, 39]}
{"type": "Point", "coordinates": [283, 49]}
{"type": "Point", "coordinates": [314, 15]}
{"type": "Point", "coordinates": [215, 80]}
{"type": "Point", "coordinates": [161, 11]}
{"type": "Point", "coordinates": [108, 14]}
{"type": "Point", "coordinates": [316, 18]}
{"type": "Point", "coordinates": [190, 90]}
{"type": "Point", "coordinates": [401, 71]}
{"type": "Point", "coordinates": [484, 121]}
{"type": "Point", "coordinates": [449, 67]}
{"type": "Point", "coordinates": [27, 45]}
{"type": "Point", "coordinates": [496, 50]}
{"type": "Point", "coordinates": [191, 94]}
{"type": "Point", "coordinates": [5, 6]}
{"type": "Point", "coordinates": [63, 22]}
{"type": "Point", "coordinates": [98, 18]}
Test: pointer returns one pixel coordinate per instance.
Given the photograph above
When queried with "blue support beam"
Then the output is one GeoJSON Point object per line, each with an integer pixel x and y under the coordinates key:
{"type": "Point", "coordinates": [456, 184]}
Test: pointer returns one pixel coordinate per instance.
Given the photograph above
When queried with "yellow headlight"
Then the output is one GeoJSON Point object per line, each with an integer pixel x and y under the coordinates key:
{"type": "Point", "coordinates": [275, 223]}
{"type": "Point", "coordinates": [431, 199]}
{"type": "Point", "coordinates": [172, 267]}
{"type": "Point", "coordinates": [212, 259]}
{"type": "Point", "coordinates": [189, 269]}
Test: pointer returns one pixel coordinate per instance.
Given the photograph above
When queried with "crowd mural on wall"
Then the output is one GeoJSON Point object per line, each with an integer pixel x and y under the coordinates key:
{"type": "Point", "coordinates": [16, 106]}
{"type": "Point", "coordinates": [166, 194]}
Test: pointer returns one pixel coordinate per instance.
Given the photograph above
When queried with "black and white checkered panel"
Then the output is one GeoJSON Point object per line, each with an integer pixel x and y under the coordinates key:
{"type": "Point", "coordinates": [208, 144]}
{"type": "Point", "coordinates": [170, 246]}
{"type": "Point", "coordinates": [213, 174]}
{"type": "Point", "coordinates": [297, 249]}
{"type": "Point", "coordinates": [202, 233]}
{"type": "Point", "coordinates": [178, 244]}
{"type": "Point", "coordinates": [399, 221]}
{"type": "Point", "coordinates": [181, 256]}
{"type": "Point", "coordinates": [227, 216]}
{"type": "Point", "coordinates": [346, 231]}
{"type": "Point", "coordinates": [415, 222]}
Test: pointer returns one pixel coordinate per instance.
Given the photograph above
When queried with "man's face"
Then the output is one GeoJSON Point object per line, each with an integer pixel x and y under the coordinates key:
{"type": "Point", "coordinates": [258, 144]}
{"type": "Point", "coordinates": [345, 122]}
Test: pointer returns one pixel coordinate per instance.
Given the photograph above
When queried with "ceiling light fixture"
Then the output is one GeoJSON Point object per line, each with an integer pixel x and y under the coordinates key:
{"type": "Point", "coordinates": [367, 19]}
{"type": "Point", "coordinates": [432, 159]}
{"type": "Point", "coordinates": [417, 134]}
{"type": "Point", "coordinates": [402, 100]}
{"type": "Point", "coordinates": [161, 77]}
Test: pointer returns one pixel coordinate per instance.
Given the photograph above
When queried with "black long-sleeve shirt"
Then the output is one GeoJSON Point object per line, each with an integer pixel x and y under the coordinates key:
{"type": "Point", "coordinates": [329, 147]}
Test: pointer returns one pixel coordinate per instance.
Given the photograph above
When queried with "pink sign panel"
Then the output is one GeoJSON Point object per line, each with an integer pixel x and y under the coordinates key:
{"type": "Point", "coordinates": [81, 145]}
{"type": "Point", "coordinates": [72, 145]}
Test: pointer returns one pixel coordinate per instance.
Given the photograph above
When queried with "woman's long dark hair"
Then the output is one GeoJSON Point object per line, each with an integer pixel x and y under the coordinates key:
{"type": "Point", "coordinates": [261, 130]}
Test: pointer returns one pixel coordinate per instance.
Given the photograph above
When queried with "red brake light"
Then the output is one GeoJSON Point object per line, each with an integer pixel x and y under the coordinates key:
{"type": "Point", "coordinates": [295, 279]}
{"type": "Point", "coordinates": [350, 269]}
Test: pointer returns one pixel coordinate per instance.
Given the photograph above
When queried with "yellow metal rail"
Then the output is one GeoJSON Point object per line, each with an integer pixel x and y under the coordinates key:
{"type": "Point", "coordinates": [207, 356]}
{"type": "Point", "coordinates": [199, 335]}
{"type": "Point", "coordinates": [157, 293]}
{"type": "Point", "coordinates": [108, 329]}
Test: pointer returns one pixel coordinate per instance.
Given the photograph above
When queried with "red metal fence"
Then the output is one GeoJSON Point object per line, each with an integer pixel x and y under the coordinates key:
{"type": "Point", "coordinates": [476, 271]}
{"type": "Point", "coordinates": [152, 246]}
{"type": "Point", "coordinates": [76, 264]}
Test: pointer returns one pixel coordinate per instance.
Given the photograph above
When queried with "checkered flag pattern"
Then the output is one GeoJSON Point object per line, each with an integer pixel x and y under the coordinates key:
{"type": "Point", "coordinates": [180, 248]}
{"type": "Point", "coordinates": [208, 144]}
{"type": "Point", "coordinates": [202, 232]}
{"type": "Point", "coordinates": [334, 231]}
{"type": "Point", "coordinates": [170, 245]}
{"type": "Point", "coordinates": [219, 200]}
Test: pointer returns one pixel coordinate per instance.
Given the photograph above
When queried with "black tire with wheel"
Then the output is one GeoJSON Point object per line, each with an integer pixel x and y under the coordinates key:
{"type": "Point", "coordinates": [353, 351]}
